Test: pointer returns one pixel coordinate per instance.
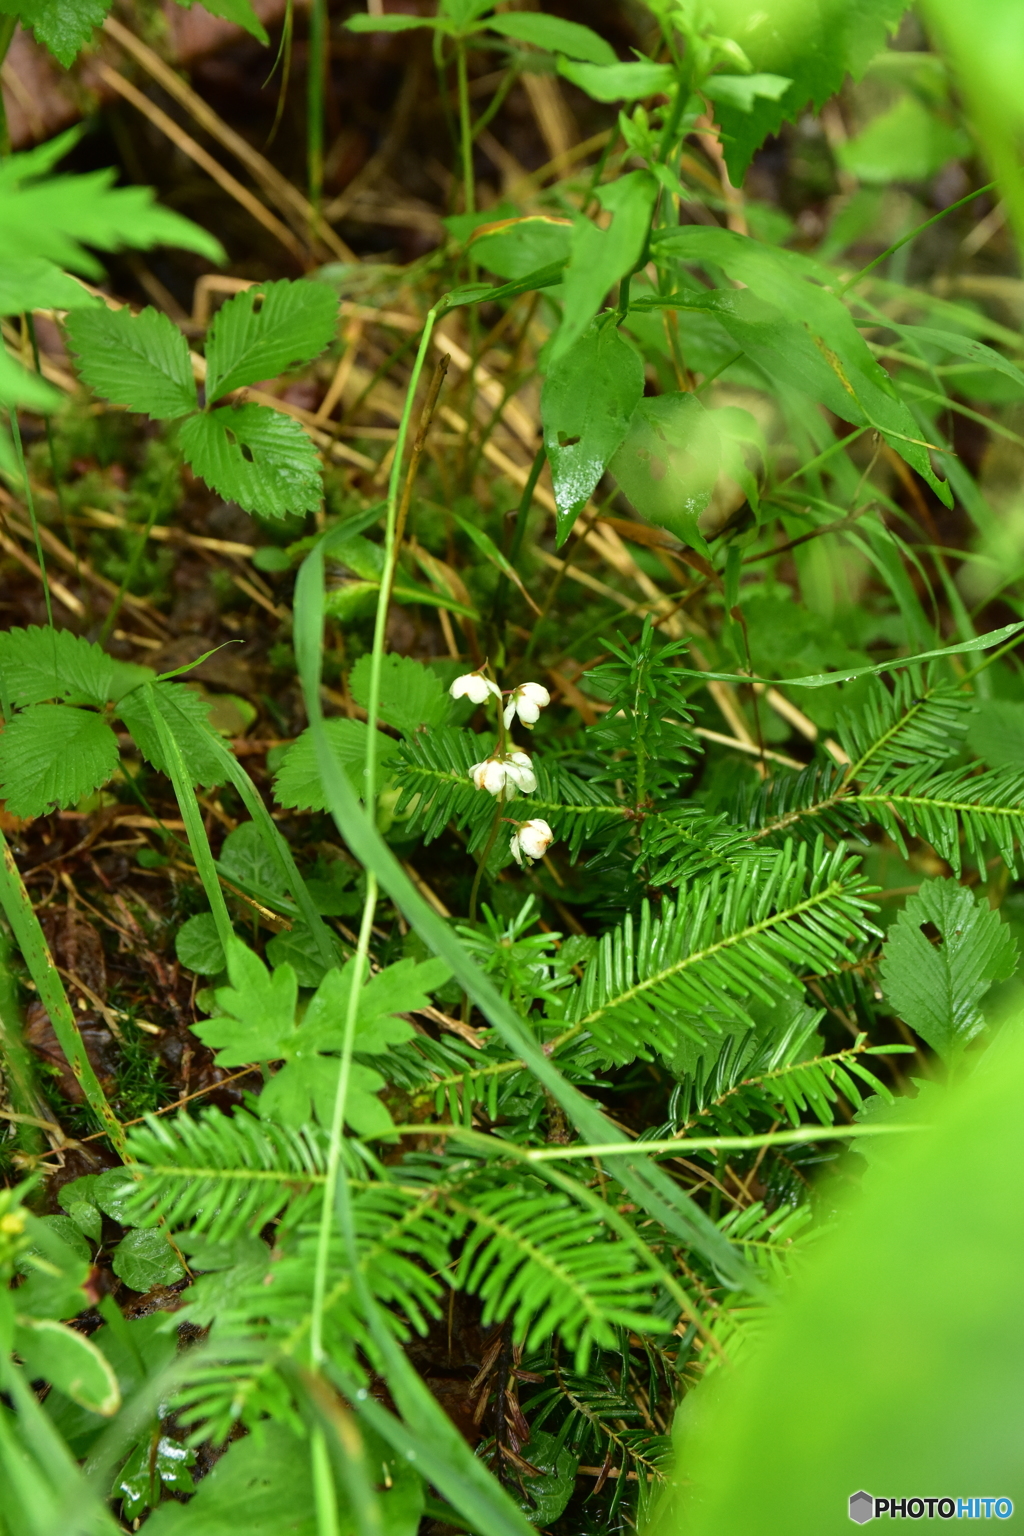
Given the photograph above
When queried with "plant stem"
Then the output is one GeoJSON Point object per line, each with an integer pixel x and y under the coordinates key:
{"type": "Point", "coordinates": [318, 53]}
{"type": "Point", "coordinates": [482, 865]}
{"type": "Point", "coordinates": [194, 829]}
{"type": "Point", "coordinates": [357, 974]}
{"type": "Point", "coordinates": [426, 417]}
{"type": "Point", "coordinates": [522, 517]}
{"type": "Point", "coordinates": [465, 132]}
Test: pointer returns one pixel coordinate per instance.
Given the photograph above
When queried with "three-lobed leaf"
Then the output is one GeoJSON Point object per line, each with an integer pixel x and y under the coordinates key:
{"type": "Point", "coordinates": [139, 361]}
{"type": "Point", "coordinates": [265, 330]}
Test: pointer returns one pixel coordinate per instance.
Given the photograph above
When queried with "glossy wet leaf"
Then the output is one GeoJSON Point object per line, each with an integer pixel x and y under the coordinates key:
{"type": "Point", "coordinates": [588, 400]}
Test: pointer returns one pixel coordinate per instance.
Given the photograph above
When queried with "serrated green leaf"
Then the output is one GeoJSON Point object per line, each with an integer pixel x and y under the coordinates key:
{"type": "Point", "coordinates": [669, 462]}
{"type": "Point", "coordinates": [240, 12]}
{"type": "Point", "coordinates": [411, 694]}
{"type": "Point", "coordinates": [145, 1259]}
{"type": "Point", "coordinates": [187, 715]}
{"type": "Point", "coordinates": [139, 361]}
{"type": "Point", "coordinates": [63, 26]}
{"type": "Point", "coordinates": [70, 1362]}
{"type": "Point", "coordinates": [60, 216]}
{"type": "Point", "coordinates": [265, 331]}
{"type": "Point", "coordinates": [619, 82]}
{"type": "Point", "coordinates": [256, 456]}
{"type": "Point", "coordinates": [936, 989]}
{"type": "Point", "coordinates": [600, 257]}
{"type": "Point", "coordinates": [588, 399]}
{"type": "Point", "coordinates": [34, 283]}
{"type": "Point", "coordinates": [555, 34]}
{"type": "Point", "coordinates": [815, 44]}
{"type": "Point", "coordinates": [298, 784]}
{"type": "Point", "coordinates": [53, 755]}
{"type": "Point", "coordinates": [40, 664]}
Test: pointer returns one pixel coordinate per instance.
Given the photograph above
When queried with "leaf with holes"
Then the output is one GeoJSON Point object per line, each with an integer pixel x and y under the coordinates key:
{"type": "Point", "coordinates": [139, 361]}
{"type": "Point", "coordinates": [256, 456]}
{"type": "Point", "coordinates": [589, 396]}
{"type": "Point", "coordinates": [266, 330]}
{"type": "Point", "coordinates": [53, 755]}
{"type": "Point", "coordinates": [936, 989]}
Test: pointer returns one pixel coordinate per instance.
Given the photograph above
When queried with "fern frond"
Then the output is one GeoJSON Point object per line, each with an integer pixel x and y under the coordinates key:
{"type": "Point", "coordinates": [684, 841]}
{"type": "Point", "coordinates": [688, 972]}
{"type": "Point", "coordinates": [224, 1174]}
{"type": "Point", "coordinates": [986, 807]}
{"type": "Point", "coordinates": [918, 721]}
{"type": "Point", "coordinates": [535, 1256]}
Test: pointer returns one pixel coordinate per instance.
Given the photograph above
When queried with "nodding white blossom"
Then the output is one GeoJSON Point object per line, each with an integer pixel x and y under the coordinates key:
{"type": "Point", "coordinates": [514, 769]}
{"type": "Point", "coordinates": [473, 685]}
{"type": "Point", "coordinates": [527, 701]}
{"type": "Point", "coordinates": [532, 839]}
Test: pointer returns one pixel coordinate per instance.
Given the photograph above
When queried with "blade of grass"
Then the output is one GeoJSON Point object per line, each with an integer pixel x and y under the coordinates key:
{"type": "Point", "coordinates": [17, 905]}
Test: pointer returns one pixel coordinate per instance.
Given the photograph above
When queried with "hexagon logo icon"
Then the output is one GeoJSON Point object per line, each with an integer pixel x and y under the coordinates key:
{"type": "Point", "coordinates": [862, 1507]}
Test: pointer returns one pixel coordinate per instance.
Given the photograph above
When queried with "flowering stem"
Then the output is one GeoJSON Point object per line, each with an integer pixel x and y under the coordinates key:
{"type": "Point", "coordinates": [474, 893]}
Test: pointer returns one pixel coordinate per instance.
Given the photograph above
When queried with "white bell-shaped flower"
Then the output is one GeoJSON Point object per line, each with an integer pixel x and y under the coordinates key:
{"type": "Point", "coordinates": [531, 840]}
{"type": "Point", "coordinates": [494, 774]}
{"type": "Point", "coordinates": [519, 772]}
{"type": "Point", "coordinates": [527, 701]}
{"type": "Point", "coordinates": [473, 685]}
{"type": "Point", "coordinates": [489, 775]}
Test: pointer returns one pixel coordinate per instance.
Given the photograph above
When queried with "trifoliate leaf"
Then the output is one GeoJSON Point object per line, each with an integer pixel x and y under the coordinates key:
{"type": "Point", "coordinates": [255, 456]}
{"type": "Point", "coordinates": [40, 664]}
{"type": "Point", "coordinates": [53, 755]}
{"type": "Point", "coordinates": [186, 712]}
{"type": "Point", "coordinates": [298, 783]}
{"type": "Point", "coordinates": [139, 361]}
{"type": "Point", "coordinates": [263, 331]}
